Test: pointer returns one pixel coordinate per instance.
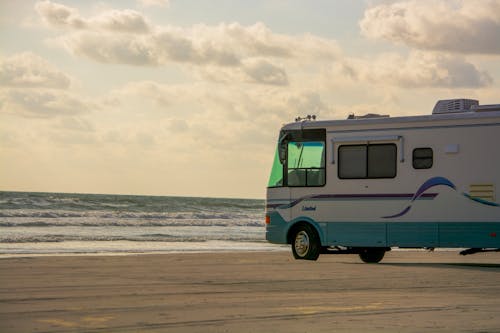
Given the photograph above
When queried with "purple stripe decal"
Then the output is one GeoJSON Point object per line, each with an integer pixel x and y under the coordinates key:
{"type": "Point", "coordinates": [352, 196]}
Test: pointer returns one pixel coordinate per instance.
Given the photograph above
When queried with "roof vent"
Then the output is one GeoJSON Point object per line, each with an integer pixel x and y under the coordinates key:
{"type": "Point", "coordinates": [368, 116]}
{"type": "Point", "coordinates": [454, 105]}
{"type": "Point", "coordinates": [485, 108]}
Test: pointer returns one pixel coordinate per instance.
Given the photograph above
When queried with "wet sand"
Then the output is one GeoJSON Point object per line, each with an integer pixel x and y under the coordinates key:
{"type": "Point", "coordinates": [409, 291]}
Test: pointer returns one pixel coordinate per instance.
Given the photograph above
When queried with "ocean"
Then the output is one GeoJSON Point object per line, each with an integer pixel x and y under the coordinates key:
{"type": "Point", "coordinates": [63, 224]}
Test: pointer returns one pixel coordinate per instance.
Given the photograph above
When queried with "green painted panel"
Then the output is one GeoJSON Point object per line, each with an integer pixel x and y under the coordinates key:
{"type": "Point", "coordinates": [472, 234]}
{"type": "Point", "coordinates": [420, 234]}
{"type": "Point", "coordinates": [357, 234]}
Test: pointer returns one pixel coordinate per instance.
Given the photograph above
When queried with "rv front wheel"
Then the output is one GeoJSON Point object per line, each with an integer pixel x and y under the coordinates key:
{"type": "Point", "coordinates": [305, 243]}
{"type": "Point", "coordinates": [372, 255]}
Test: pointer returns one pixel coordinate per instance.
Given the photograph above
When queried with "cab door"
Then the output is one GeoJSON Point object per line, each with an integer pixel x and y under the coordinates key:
{"type": "Point", "coordinates": [278, 194]}
{"type": "Point", "coordinates": [298, 170]}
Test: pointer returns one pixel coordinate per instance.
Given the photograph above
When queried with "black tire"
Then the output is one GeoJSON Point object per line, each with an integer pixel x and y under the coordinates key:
{"type": "Point", "coordinates": [305, 242]}
{"type": "Point", "coordinates": [372, 255]}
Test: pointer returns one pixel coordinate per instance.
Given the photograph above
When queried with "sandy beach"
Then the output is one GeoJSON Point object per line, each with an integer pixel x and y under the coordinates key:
{"type": "Point", "coordinates": [410, 291]}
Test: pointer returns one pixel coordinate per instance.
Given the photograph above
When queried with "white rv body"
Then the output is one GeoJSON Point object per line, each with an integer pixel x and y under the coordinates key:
{"type": "Point", "coordinates": [452, 203]}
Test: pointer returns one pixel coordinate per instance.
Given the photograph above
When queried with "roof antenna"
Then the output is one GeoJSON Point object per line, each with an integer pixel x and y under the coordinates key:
{"type": "Point", "coordinates": [306, 118]}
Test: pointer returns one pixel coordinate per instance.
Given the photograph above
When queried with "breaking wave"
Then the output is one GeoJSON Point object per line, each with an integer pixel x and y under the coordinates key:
{"type": "Point", "coordinates": [134, 223]}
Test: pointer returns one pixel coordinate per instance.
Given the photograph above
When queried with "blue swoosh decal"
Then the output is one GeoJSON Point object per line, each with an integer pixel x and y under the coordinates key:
{"type": "Point", "coordinates": [435, 181]}
{"type": "Point", "coordinates": [482, 201]}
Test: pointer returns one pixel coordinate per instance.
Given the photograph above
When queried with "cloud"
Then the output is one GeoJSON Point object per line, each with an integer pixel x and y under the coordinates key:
{"type": "Point", "coordinates": [42, 103]}
{"type": "Point", "coordinates": [197, 44]}
{"type": "Point", "coordinates": [183, 46]}
{"type": "Point", "coordinates": [417, 70]}
{"type": "Point", "coordinates": [177, 126]}
{"type": "Point", "coordinates": [221, 45]}
{"type": "Point", "coordinates": [76, 124]}
{"type": "Point", "coordinates": [120, 21]}
{"type": "Point", "coordinates": [30, 86]}
{"type": "Point", "coordinates": [157, 49]}
{"type": "Point", "coordinates": [222, 53]}
{"type": "Point", "coordinates": [308, 103]}
{"type": "Point", "coordinates": [160, 94]}
{"type": "Point", "coordinates": [112, 49]}
{"type": "Point", "coordinates": [468, 27]}
{"type": "Point", "coordinates": [203, 105]}
{"type": "Point", "coordinates": [154, 3]}
{"type": "Point", "coordinates": [127, 20]}
{"type": "Point", "coordinates": [255, 70]}
{"type": "Point", "coordinates": [28, 70]}
{"type": "Point", "coordinates": [262, 71]}
{"type": "Point", "coordinates": [59, 16]}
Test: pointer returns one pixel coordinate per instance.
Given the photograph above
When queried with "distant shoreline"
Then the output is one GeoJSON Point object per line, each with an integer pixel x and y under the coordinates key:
{"type": "Point", "coordinates": [133, 195]}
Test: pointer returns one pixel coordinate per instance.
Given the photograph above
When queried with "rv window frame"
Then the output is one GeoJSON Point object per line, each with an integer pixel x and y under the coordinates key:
{"type": "Point", "coordinates": [367, 160]}
{"type": "Point", "coordinates": [301, 135]}
{"type": "Point", "coordinates": [421, 158]}
{"type": "Point", "coordinates": [306, 170]}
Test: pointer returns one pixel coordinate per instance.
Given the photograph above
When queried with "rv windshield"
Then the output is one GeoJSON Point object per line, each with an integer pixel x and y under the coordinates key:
{"type": "Point", "coordinates": [276, 177]}
{"type": "Point", "coordinates": [299, 159]}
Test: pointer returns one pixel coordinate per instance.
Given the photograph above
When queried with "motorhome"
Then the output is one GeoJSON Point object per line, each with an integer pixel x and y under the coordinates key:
{"type": "Point", "coordinates": [364, 185]}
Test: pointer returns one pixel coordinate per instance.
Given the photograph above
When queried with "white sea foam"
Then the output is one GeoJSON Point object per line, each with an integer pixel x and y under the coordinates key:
{"type": "Point", "coordinates": [128, 247]}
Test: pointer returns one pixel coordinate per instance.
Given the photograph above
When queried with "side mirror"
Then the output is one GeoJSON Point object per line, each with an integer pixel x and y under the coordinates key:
{"type": "Point", "coordinates": [282, 145]}
{"type": "Point", "coordinates": [282, 153]}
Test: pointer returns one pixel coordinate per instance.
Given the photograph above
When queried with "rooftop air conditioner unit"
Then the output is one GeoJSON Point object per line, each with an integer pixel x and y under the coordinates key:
{"type": "Point", "coordinates": [454, 105]}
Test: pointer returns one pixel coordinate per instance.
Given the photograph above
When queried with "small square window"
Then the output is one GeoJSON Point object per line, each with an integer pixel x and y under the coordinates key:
{"type": "Point", "coordinates": [422, 158]}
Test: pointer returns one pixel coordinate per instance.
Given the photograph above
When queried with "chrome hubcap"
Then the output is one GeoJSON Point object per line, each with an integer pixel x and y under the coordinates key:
{"type": "Point", "coordinates": [302, 243]}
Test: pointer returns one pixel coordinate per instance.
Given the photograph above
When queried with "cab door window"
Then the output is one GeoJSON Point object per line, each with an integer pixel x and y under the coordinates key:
{"type": "Point", "coordinates": [306, 163]}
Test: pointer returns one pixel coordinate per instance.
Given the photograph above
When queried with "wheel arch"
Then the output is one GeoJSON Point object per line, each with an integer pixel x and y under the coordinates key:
{"type": "Point", "coordinates": [304, 221]}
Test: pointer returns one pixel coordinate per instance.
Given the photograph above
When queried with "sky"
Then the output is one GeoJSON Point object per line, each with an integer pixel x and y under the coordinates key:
{"type": "Point", "coordinates": [186, 98]}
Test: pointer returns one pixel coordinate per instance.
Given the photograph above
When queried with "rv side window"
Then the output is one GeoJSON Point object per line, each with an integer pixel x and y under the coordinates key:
{"type": "Point", "coordinates": [422, 158]}
{"type": "Point", "coordinates": [367, 161]}
{"type": "Point", "coordinates": [306, 163]}
{"type": "Point", "coordinates": [382, 161]}
{"type": "Point", "coordinates": [352, 161]}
